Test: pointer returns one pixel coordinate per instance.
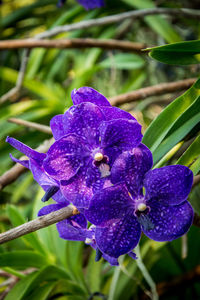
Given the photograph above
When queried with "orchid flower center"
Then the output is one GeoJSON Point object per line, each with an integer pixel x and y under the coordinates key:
{"type": "Point", "coordinates": [141, 207]}
{"type": "Point", "coordinates": [101, 161]}
{"type": "Point", "coordinates": [98, 156]}
{"type": "Point", "coordinates": [141, 212]}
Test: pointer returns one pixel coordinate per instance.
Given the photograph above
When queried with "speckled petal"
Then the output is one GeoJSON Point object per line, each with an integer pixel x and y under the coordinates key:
{"type": "Point", "coordinates": [84, 120]}
{"type": "Point", "coordinates": [131, 166]}
{"type": "Point", "coordinates": [91, 4]}
{"type": "Point", "coordinates": [94, 178]}
{"type": "Point", "coordinates": [120, 133]}
{"type": "Point", "coordinates": [65, 157]}
{"type": "Point", "coordinates": [112, 260]}
{"type": "Point", "coordinates": [30, 153]}
{"type": "Point", "coordinates": [74, 228]}
{"type": "Point", "coordinates": [76, 191]}
{"type": "Point", "coordinates": [112, 113]}
{"type": "Point", "coordinates": [93, 174]}
{"type": "Point", "coordinates": [24, 163]}
{"type": "Point", "coordinates": [170, 222]}
{"type": "Point", "coordinates": [46, 181]}
{"type": "Point", "coordinates": [57, 128]}
{"type": "Point", "coordinates": [170, 184]}
{"type": "Point", "coordinates": [50, 208]}
{"type": "Point", "coordinates": [120, 236]}
{"type": "Point", "coordinates": [87, 94]}
{"type": "Point", "coordinates": [107, 204]}
{"type": "Point", "coordinates": [41, 177]}
{"type": "Point", "coordinates": [132, 255]}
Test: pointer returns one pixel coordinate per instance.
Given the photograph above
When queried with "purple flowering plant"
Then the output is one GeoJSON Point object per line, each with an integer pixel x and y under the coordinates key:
{"type": "Point", "coordinates": [87, 4]}
{"type": "Point", "coordinates": [99, 164]}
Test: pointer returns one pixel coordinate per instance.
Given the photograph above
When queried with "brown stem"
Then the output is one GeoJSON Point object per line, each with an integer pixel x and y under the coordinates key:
{"type": "Point", "coordinates": [155, 90]}
{"type": "Point", "coordinates": [73, 43]}
{"type": "Point", "coordinates": [33, 125]}
{"type": "Point", "coordinates": [38, 223]}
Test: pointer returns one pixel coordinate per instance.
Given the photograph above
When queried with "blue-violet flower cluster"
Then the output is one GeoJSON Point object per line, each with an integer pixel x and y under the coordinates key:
{"type": "Point", "coordinates": [87, 4]}
{"type": "Point", "coordinates": [99, 164]}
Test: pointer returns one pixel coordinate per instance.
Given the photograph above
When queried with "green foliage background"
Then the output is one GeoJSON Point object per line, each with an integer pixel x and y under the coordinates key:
{"type": "Point", "coordinates": [46, 266]}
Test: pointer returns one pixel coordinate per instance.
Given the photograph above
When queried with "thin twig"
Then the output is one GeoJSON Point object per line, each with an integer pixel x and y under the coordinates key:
{"type": "Point", "coordinates": [193, 13]}
{"type": "Point", "coordinates": [155, 90]}
{"type": "Point", "coordinates": [12, 174]}
{"type": "Point", "coordinates": [91, 23]}
{"type": "Point", "coordinates": [73, 43]}
{"type": "Point", "coordinates": [38, 223]}
{"type": "Point", "coordinates": [20, 78]}
{"type": "Point", "coordinates": [39, 127]}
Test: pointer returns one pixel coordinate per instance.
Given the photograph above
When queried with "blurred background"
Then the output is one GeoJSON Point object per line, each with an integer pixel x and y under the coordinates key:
{"type": "Point", "coordinates": [41, 265]}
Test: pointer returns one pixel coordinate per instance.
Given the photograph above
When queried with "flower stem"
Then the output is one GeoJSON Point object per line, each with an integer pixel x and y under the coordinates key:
{"type": "Point", "coordinates": [146, 274]}
{"type": "Point", "coordinates": [114, 281]}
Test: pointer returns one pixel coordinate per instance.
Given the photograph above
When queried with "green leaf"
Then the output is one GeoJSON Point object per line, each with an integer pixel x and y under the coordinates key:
{"type": "Point", "coordinates": [42, 292]}
{"type": "Point", "coordinates": [195, 167]}
{"type": "Point", "coordinates": [123, 61]}
{"type": "Point", "coordinates": [22, 259]}
{"type": "Point", "coordinates": [21, 287]}
{"type": "Point", "coordinates": [49, 235]}
{"type": "Point", "coordinates": [74, 257]}
{"type": "Point", "coordinates": [68, 287]}
{"type": "Point", "coordinates": [27, 286]}
{"type": "Point", "coordinates": [43, 90]}
{"type": "Point", "coordinates": [184, 53]}
{"type": "Point", "coordinates": [183, 125]}
{"type": "Point", "coordinates": [157, 23]}
{"type": "Point", "coordinates": [191, 155]}
{"type": "Point", "coordinates": [161, 126]}
{"type": "Point", "coordinates": [30, 239]}
{"type": "Point", "coordinates": [94, 273]}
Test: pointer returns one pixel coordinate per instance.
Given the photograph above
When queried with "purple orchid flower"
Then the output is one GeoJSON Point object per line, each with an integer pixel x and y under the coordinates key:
{"type": "Point", "coordinates": [34, 163]}
{"type": "Point", "coordinates": [75, 229]}
{"type": "Point", "coordinates": [121, 211]}
{"type": "Point", "coordinates": [87, 4]}
{"type": "Point", "coordinates": [89, 137]}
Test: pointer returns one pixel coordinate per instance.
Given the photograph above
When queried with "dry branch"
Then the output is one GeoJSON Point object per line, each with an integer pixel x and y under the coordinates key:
{"type": "Point", "coordinates": [37, 126]}
{"type": "Point", "coordinates": [91, 23]}
{"type": "Point", "coordinates": [155, 90]}
{"type": "Point", "coordinates": [38, 223]}
{"type": "Point", "coordinates": [20, 78]}
{"type": "Point", "coordinates": [73, 43]}
{"type": "Point", "coordinates": [120, 17]}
